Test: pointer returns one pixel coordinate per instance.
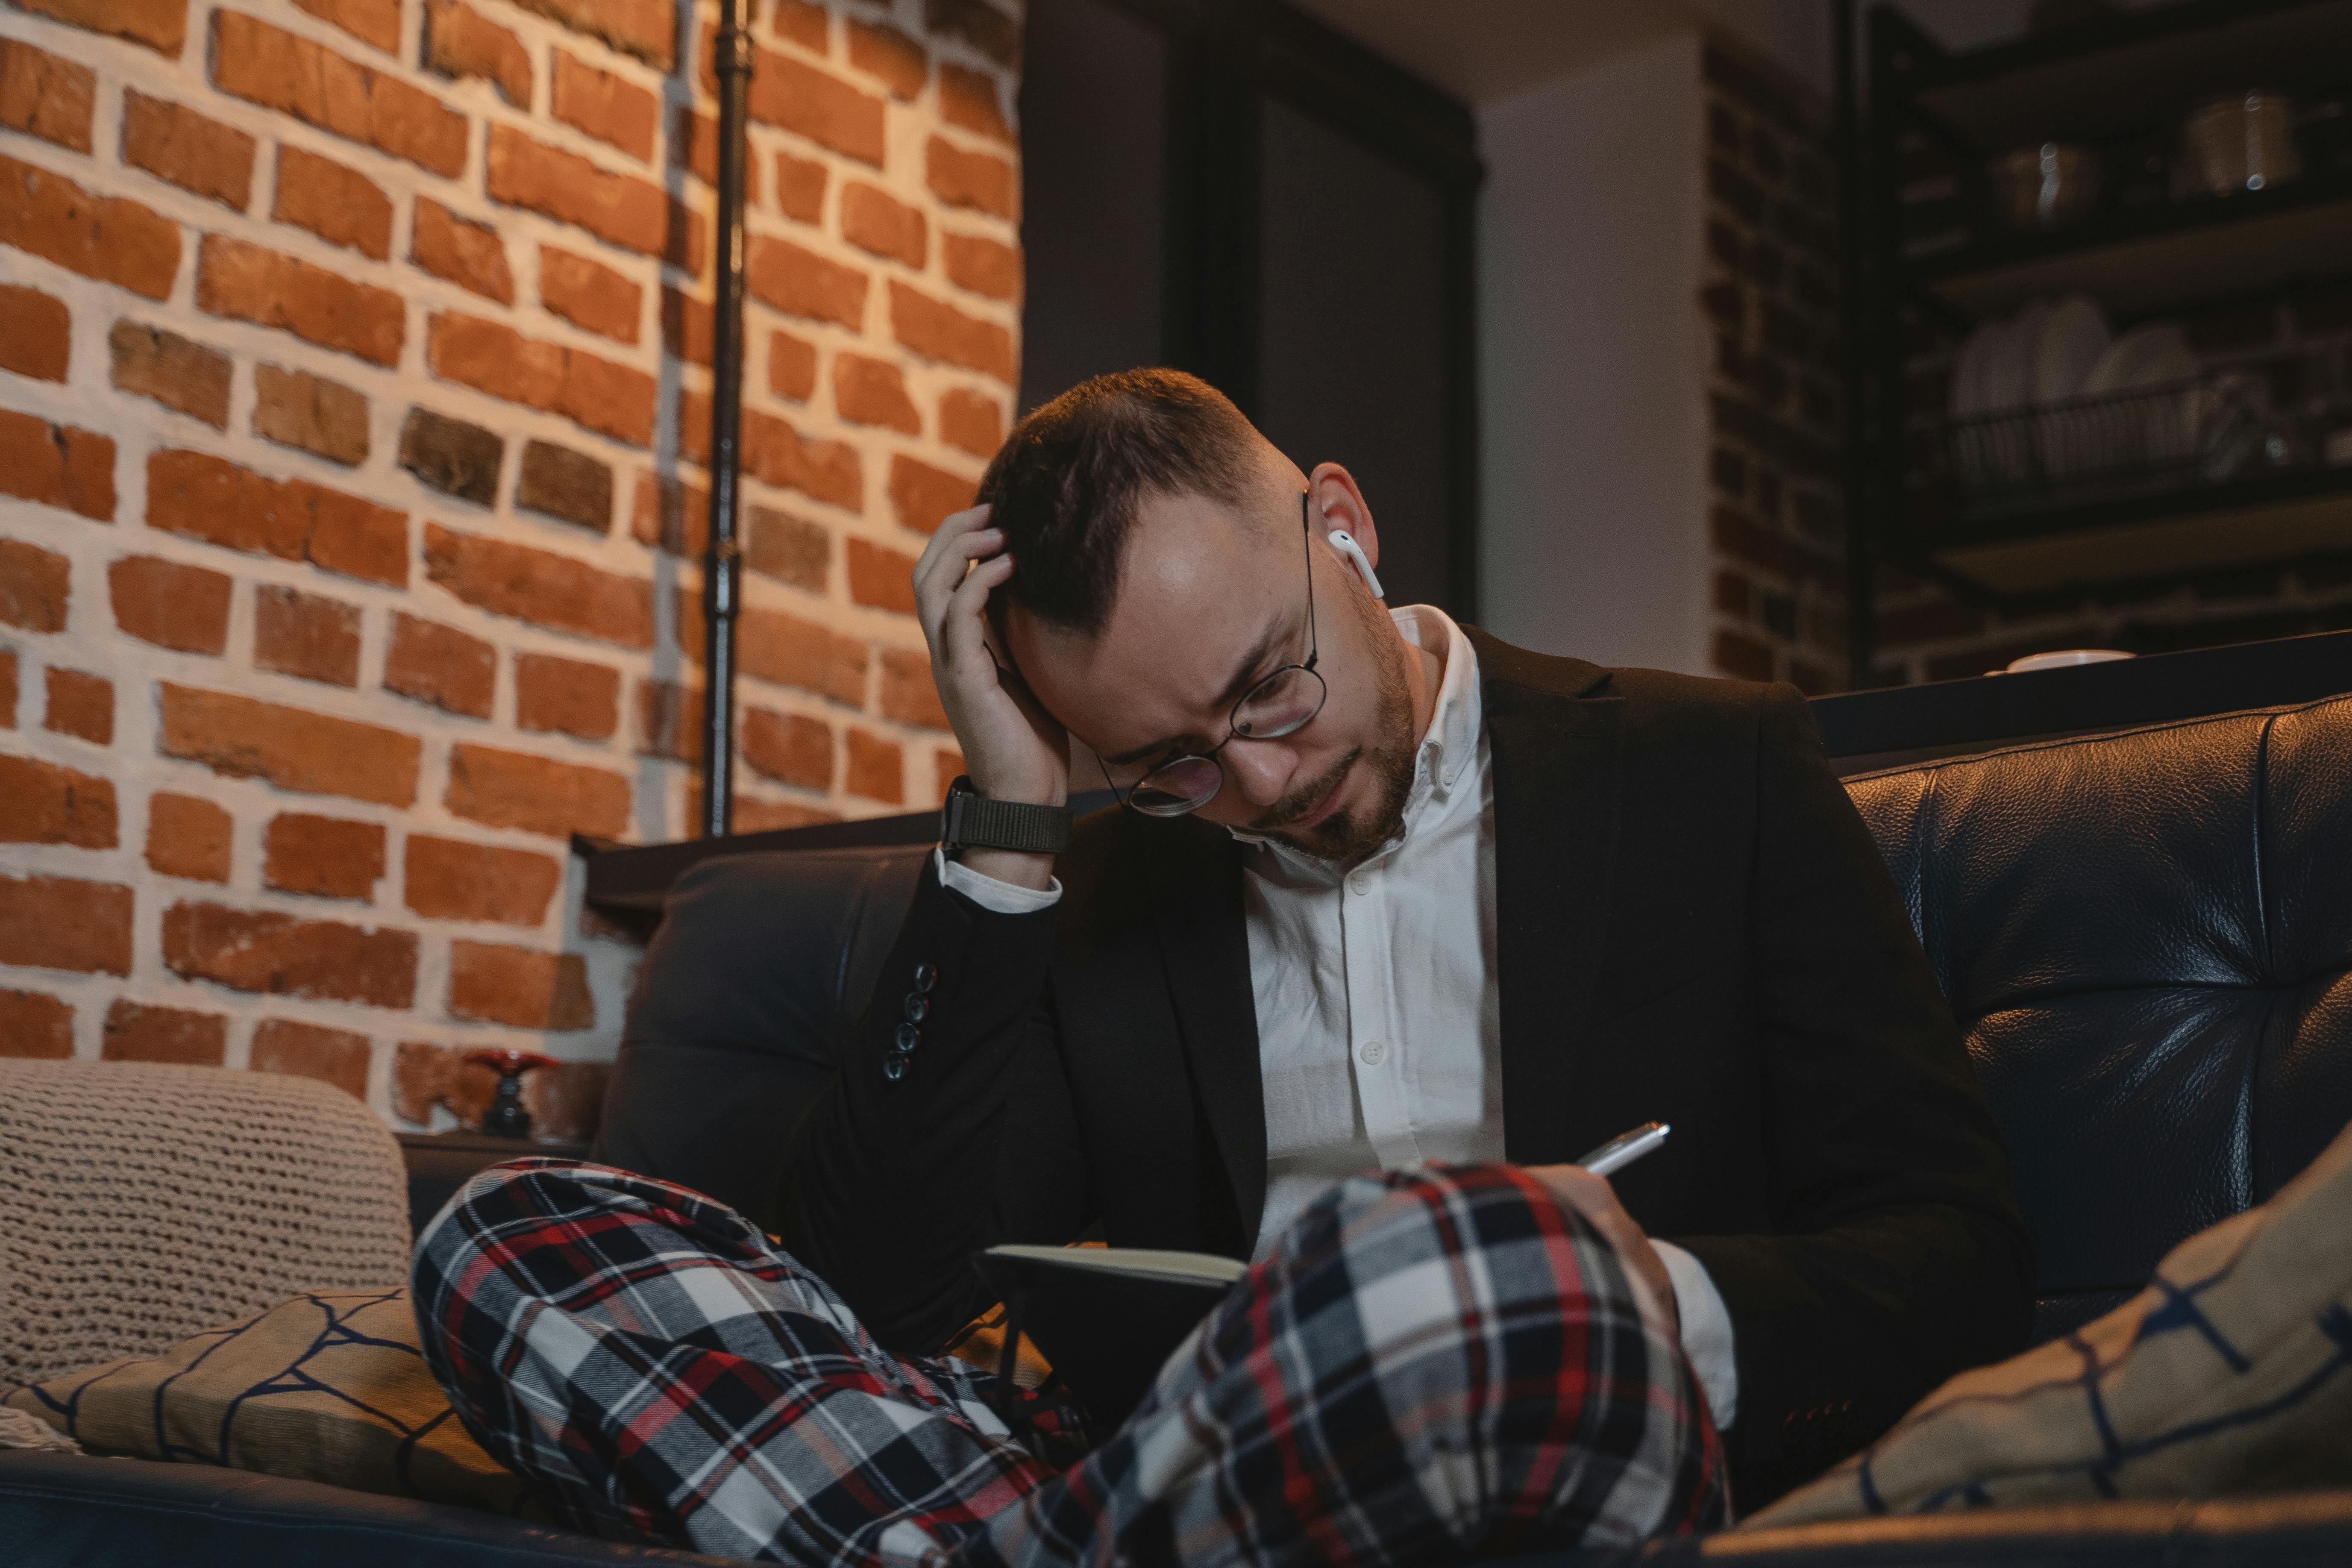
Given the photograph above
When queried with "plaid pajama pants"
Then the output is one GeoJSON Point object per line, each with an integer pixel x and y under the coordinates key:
{"type": "Point", "coordinates": [1430, 1364]}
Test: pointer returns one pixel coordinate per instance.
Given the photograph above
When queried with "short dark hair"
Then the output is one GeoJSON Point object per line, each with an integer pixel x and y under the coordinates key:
{"type": "Point", "coordinates": [1066, 484]}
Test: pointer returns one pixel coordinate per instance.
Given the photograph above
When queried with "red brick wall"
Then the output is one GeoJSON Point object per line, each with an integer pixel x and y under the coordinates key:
{"type": "Point", "coordinates": [1776, 517]}
{"type": "Point", "coordinates": [353, 392]}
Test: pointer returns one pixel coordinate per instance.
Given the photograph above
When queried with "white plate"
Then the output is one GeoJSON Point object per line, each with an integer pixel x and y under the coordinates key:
{"type": "Point", "coordinates": [2073, 337]}
{"type": "Point", "coordinates": [2063, 659]}
{"type": "Point", "coordinates": [2151, 354]}
{"type": "Point", "coordinates": [2009, 368]}
{"type": "Point", "coordinates": [2154, 353]}
{"type": "Point", "coordinates": [1968, 371]}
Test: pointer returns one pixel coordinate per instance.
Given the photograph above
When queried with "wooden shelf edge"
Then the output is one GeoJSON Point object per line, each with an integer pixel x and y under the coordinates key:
{"type": "Point", "coordinates": [1982, 269]}
{"type": "Point", "coordinates": [2160, 537]}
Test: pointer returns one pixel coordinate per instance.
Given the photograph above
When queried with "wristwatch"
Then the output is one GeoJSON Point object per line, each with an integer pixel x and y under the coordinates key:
{"type": "Point", "coordinates": [969, 820]}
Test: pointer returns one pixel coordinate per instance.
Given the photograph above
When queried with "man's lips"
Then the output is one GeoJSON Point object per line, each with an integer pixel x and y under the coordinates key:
{"type": "Point", "coordinates": [1323, 808]}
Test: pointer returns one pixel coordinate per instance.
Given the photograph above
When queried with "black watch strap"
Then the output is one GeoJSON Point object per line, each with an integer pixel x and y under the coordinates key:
{"type": "Point", "coordinates": [971, 821]}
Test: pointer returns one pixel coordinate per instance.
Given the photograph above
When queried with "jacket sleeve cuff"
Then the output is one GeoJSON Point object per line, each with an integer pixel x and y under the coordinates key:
{"type": "Point", "coordinates": [1706, 1332]}
{"type": "Point", "coordinates": [998, 897]}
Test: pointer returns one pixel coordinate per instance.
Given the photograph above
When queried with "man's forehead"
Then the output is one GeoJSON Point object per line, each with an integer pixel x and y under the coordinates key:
{"type": "Point", "coordinates": [1196, 595]}
{"type": "Point", "coordinates": [1185, 556]}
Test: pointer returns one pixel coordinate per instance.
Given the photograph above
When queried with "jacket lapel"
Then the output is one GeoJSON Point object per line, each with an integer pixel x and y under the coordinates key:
{"type": "Point", "coordinates": [1197, 879]}
{"type": "Point", "coordinates": [1555, 738]}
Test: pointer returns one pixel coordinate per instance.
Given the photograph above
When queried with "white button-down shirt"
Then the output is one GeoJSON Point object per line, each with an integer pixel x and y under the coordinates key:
{"type": "Point", "coordinates": [1378, 1023]}
{"type": "Point", "coordinates": [1378, 1013]}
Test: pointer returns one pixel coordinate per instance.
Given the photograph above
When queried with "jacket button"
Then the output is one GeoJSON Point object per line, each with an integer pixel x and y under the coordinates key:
{"type": "Point", "coordinates": [916, 1008]}
{"type": "Point", "coordinates": [909, 1037]}
{"type": "Point", "coordinates": [925, 978]}
{"type": "Point", "coordinates": [894, 1067]}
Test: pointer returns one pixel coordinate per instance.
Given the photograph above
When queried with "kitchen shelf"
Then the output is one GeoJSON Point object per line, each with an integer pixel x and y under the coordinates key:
{"type": "Point", "coordinates": [2138, 261]}
{"type": "Point", "coordinates": [2120, 83]}
{"type": "Point", "coordinates": [2099, 79]}
{"type": "Point", "coordinates": [2278, 517]}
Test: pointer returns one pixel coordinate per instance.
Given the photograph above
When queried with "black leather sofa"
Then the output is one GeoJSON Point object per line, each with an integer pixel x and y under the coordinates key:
{"type": "Point", "coordinates": [2147, 935]}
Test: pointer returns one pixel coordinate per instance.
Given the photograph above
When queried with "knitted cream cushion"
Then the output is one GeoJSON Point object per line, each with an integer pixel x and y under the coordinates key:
{"type": "Point", "coordinates": [2230, 1372]}
{"type": "Point", "coordinates": [140, 1203]}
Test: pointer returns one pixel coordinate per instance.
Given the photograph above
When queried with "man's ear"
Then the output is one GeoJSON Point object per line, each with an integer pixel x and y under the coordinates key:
{"type": "Point", "coordinates": [1333, 501]}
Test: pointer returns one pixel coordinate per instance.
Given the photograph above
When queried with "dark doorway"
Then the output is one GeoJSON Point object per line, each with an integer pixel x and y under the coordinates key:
{"type": "Point", "coordinates": [1229, 188]}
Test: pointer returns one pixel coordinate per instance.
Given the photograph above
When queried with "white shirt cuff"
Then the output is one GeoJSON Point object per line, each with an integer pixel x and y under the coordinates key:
{"type": "Point", "coordinates": [1008, 899]}
{"type": "Point", "coordinates": [1706, 1332]}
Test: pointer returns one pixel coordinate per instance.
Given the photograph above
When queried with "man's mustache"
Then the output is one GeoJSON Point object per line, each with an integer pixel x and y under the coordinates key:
{"type": "Point", "coordinates": [1301, 801]}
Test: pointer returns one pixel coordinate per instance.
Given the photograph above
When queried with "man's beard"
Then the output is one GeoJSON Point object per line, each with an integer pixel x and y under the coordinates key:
{"type": "Point", "coordinates": [1351, 834]}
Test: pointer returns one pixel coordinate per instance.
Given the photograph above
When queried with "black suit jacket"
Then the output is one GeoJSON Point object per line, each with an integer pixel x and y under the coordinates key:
{"type": "Point", "coordinates": [1694, 926]}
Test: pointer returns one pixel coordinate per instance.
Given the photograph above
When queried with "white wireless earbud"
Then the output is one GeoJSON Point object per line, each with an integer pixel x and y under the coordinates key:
{"type": "Point", "coordinates": [1345, 543]}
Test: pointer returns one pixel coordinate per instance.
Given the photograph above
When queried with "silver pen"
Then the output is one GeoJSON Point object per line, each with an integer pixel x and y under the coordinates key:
{"type": "Point", "coordinates": [1625, 1148]}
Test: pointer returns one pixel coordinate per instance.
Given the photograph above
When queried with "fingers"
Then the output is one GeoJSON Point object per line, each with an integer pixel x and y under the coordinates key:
{"type": "Point", "coordinates": [949, 540]}
{"type": "Point", "coordinates": [941, 571]}
{"type": "Point", "coordinates": [1589, 1194]}
{"type": "Point", "coordinates": [964, 619]}
{"type": "Point", "coordinates": [955, 526]}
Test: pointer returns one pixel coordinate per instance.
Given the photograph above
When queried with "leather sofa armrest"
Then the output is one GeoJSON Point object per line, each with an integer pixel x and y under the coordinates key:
{"type": "Point", "coordinates": [2236, 1533]}
{"type": "Point", "coordinates": [62, 1510]}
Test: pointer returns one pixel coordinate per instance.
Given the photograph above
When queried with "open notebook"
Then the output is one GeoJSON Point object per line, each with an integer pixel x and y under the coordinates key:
{"type": "Point", "coordinates": [1106, 1318]}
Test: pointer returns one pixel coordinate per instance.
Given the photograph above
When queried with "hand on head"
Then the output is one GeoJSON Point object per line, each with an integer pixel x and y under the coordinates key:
{"type": "Point", "coordinates": [1012, 749]}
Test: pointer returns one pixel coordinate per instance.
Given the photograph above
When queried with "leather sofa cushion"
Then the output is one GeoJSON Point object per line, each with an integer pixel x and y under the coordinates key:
{"type": "Point", "coordinates": [748, 989]}
{"type": "Point", "coordinates": [61, 1511]}
{"type": "Point", "coordinates": [2148, 939]}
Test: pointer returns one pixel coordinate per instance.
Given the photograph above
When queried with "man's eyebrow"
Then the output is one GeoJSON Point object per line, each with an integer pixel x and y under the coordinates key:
{"type": "Point", "coordinates": [1245, 676]}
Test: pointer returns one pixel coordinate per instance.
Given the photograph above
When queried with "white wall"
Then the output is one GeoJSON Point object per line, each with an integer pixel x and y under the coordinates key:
{"type": "Point", "coordinates": [1592, 370]}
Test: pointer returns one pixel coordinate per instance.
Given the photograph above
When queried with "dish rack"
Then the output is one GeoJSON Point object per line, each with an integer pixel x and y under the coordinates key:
{"type": "Point", "coordinates": [2107, 445]}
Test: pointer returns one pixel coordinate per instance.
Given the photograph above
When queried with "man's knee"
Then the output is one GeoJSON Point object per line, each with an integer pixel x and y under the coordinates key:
{"type": "Point", "coordinates": [1496, 1321]}
{"type": "Point", "coordinates": [532, 1228]}
{"type": "Point", "coordinates": [489, 1202]}
{"type": "Point", "coordinates": [1419, 1263]}
{"type": "Point", "coordinates": [1400, 1222]}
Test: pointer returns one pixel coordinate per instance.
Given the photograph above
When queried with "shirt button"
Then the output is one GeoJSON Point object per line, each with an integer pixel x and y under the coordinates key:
{"type": "Point", "coordinates": [925, 978]}
{"type": "Point", "coordinates": [1374, 1053]}
{"type": "Point", "coordinates": [894, 1067]}
{"type": "Point", "coordinates": [916, 1008]}
{"type": "Point", "coordinates": [1360, 883]}
{"type": "Point", "coordinates": [909, 1037]}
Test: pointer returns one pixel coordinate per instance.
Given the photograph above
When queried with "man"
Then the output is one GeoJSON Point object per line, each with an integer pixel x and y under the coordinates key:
{"type": "Point", "coordinates": [1382, 892]}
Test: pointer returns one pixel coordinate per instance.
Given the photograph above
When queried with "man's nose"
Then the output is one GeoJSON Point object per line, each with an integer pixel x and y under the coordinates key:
{"type": "Point", "coordinates": [1261, 769]}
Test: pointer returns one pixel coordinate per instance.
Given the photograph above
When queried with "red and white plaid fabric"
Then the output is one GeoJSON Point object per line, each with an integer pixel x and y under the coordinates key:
{"type": "Point", "coordinates": [1430, 1365]}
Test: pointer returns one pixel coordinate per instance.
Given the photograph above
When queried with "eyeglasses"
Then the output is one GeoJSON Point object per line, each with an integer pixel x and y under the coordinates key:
{"type": "Point", "coordinates": [1284, 703]}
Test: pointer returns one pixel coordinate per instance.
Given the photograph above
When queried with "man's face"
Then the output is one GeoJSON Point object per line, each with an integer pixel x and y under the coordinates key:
{"type": "Point", "coordinates": [1209, 604]}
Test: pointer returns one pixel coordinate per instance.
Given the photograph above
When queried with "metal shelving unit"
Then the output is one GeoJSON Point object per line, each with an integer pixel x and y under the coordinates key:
{"type": "Point", "coordinates": [1938, 259]}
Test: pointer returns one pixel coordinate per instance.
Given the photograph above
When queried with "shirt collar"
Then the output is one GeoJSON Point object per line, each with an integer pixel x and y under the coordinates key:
{"type": "Point", "coordinates": [1450, 742]}
{"type": "Point", "coordinates": [1452, 739]}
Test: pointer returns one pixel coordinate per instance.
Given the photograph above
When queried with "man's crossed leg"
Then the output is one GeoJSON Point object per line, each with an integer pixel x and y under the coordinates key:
{"type": "Point", "coordinates": [1429, 1365]}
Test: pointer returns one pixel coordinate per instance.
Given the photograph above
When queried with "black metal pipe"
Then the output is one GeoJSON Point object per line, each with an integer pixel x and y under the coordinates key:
{"type": "Point", "coordinates": [722, 558]}
{"type": "Point", "coordinates": [1852, 244]}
